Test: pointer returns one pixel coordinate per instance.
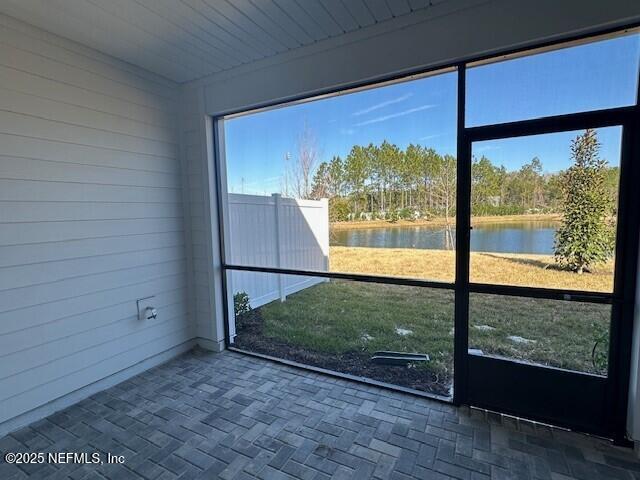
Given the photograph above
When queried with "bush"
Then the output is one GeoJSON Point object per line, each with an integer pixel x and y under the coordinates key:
{"type": "Point", "coordinates": [406, 214]}
{"type": "Point", "coordinates": [241, 304]}
{"type": "Point", "coordinates": [600, 351]}
{"type": "Point", "coordinates": [488, 209]}
{"type": "Point", "coordinates": [339, 209]}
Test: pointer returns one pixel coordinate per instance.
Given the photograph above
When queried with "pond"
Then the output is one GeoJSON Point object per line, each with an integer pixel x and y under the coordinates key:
{"type": "Point", "coordinates": [503, 237]}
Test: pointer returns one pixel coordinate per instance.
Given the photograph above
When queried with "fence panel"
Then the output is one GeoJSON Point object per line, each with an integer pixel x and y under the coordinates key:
{"type": "Point", "coordinates": [276, 232]}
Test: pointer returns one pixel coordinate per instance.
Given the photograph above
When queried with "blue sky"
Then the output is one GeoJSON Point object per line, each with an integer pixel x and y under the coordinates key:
{"type": "Point", "coordinates": [587, 77]}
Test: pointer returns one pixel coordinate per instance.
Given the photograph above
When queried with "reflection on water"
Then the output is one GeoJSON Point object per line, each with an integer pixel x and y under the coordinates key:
{"type": "Point", "coordinates": [509, 237]}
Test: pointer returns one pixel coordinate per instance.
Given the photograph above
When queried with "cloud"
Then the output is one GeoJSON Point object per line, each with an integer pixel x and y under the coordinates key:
{"type": "Point", "coordinates": [429, 137]}
{"type": "Point", "coordinates": [384, 118]}
{"type": "Point", "coordinates": [380, 105]}
{"type": "Point", "coordinates": [485, 148]}
{"type": "Point", "coordinates": [347, 131]}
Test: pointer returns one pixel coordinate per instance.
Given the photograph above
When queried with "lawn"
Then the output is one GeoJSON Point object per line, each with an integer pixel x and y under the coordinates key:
{"type": "Point", "coordinates": [339, 324]}
{"type": "Point", "coordinates": [497, 268]}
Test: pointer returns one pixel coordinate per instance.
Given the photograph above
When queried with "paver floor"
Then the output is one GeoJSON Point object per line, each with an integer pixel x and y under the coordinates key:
{"type": "Point", "coordinates": [232, 416]}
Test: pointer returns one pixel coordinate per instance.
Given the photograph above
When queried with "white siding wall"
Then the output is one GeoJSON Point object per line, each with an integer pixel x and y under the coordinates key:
{"type": "Point", "coordinates": [91, 218]}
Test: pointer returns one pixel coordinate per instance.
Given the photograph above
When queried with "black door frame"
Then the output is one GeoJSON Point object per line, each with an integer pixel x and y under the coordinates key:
{"type": "Point", "coordinates": [576, 400]}
{"type": "Point", "coordinates": [623, 298]}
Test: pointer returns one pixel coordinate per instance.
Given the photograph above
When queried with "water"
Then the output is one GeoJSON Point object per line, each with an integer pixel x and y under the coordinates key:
{"type": "Point", "coordinates": [509, 237]}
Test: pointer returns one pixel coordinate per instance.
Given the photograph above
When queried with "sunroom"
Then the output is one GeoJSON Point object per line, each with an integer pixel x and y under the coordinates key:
{"type": "Point", "coordinates": [319, 239]}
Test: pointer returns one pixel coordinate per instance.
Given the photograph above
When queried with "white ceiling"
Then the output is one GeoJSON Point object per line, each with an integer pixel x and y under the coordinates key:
{"type": "Point", "coordinates": [188, 39]}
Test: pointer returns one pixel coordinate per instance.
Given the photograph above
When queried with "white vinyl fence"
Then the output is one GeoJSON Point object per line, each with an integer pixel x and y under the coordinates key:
{"type": "Point", "coordinates": [276, 232]}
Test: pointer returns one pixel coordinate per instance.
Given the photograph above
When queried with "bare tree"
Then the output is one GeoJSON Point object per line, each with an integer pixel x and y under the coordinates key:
{"type": "Point", "coordinates": [445, 193]}
{"type": "Point", "coordinates": [304, 164]}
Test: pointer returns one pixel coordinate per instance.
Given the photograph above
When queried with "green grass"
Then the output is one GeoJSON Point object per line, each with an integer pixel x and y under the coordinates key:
{"type": "Point", "coordinates": [343, 316]}
{"type": "Point", "coordinates": [563, 333]}
{"type": "Point", "coordinates": [336, 316]}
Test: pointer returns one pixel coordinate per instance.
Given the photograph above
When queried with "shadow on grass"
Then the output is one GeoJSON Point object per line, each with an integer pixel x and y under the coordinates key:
{"type": "Point", "coordinates": [530, 262]}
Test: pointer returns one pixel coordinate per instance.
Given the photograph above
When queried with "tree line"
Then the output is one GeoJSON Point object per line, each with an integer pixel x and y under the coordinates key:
{"type": "Point", "coordinates": [386, 182]}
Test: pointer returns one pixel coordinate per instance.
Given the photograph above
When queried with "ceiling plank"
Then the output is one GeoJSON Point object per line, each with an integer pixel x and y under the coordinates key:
{"type": "Point", "coordinates": [418, 4]}
{"type": "Point", "coordinates": [360, 12]}
{"type": "Point", "coordinates": [317, 11]}
{"type": "Point", "coordinates": [59, 17]}
{"type": "Point", "coordinates": [219, 23]}
{"type": "Point", "coordinates": [244, 23]}
{"type": "Point", "coordinates": [340, 14]}
{"type": "Point", "coordinates": [264, 22]}
{"type": "Point", "coordinates": [380, 10]}
{"type": "Point", "coordinates": [399, 7]}
{"type": "Point", "coordinates": [286, 23]}
{"type": "Point", "coordinates": [151, 23]}
{"type": "Point", "coordinates": [117, 27]}
{"type": "Point", "coordinates": [302, 18]}
{"type": "Point", "coordinates": [193, 23]}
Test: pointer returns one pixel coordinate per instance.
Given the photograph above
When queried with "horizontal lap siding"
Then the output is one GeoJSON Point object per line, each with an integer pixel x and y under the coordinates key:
{"type": "Point", "coordinates": [91, 217]}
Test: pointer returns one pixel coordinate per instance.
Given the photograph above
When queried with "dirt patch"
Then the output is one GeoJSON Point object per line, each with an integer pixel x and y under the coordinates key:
{"type": "Point", "coordinates": [250, 337]}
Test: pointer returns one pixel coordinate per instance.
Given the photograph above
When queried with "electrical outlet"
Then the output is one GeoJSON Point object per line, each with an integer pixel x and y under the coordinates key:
{"type": "Point", "coordinates": [146, 308]}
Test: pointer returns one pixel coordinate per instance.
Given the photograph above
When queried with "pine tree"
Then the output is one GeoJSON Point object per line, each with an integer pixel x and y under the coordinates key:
{"type": "Point", "coordinates": [586, 236]}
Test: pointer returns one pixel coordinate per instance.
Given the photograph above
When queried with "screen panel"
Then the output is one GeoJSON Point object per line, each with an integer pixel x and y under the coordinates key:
{"type": "Point", "coordinates": [363, 182]}
{"type": "Point", "coordinates": [359, 328]}
{"type": "Point", "coordinates": [555, 333]}
{"type": "Point", "coordinates": [591, 76]}
{"type": "Point", "coordinates": [544, 210]}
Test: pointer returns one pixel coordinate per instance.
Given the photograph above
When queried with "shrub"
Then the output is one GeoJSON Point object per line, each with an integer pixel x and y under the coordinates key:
{"type": "Point", "coordinates": [241, 304]}
{"type": "Point", "coordinates": [600, 351]}
{"type": "Point", "coordinates": [406, 214]}
{"type": "Point", "coordinates": [485, 209]}
{"type": "Point", "coordinates": [339, 209]}
{"type": "Point", "coordinates": [585, 237]}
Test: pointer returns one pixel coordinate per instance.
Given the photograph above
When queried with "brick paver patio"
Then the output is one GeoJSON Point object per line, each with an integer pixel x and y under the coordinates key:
{"type": "Point", "coordinates": [231, 416]}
